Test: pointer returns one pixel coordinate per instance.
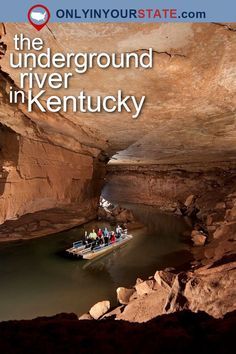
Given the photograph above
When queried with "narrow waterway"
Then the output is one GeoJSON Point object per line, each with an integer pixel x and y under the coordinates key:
{"type": "Point", "coordinates": [36, 280]}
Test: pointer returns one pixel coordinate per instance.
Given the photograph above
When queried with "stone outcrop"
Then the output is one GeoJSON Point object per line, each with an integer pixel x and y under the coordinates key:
{"type": "Point", "coordinates": [210, 289]}
{"type": "Point", "coordinates": [124, 295]}
{"type": "Point", "coordinates": [37, 176]}
{"type": "Point", "coordinates": [198, 238]}
{"type": "Point", "coordinates": [210, 285]}
{"type": "Point", "coordinates": [99, 309]}
{"type": "Point", "coordinates": [46, 163]}
{"type": "Point", "coordinates": [115, 214]}
{"type": "Point", "coordinates": [165, 186]}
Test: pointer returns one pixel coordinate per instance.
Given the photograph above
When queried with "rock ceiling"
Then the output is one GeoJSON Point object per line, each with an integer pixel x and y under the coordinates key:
{"type": "Point", "coordinates": [190, 110]}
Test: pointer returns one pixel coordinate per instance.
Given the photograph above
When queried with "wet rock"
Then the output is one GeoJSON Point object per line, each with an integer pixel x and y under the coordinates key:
{"type": "Point", "coordinates": [115, 214]}
{"type": "Point", "coordinates": [99, 309]}
{"type": "Point", "coordinates": [124, 294]}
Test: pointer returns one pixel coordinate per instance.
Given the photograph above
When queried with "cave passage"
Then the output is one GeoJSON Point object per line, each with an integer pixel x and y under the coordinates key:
{"type": "Point", "coordinates": [36, 280]}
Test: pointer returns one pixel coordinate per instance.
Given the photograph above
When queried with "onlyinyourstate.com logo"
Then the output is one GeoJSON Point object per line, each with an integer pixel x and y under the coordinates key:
{"type": "Point", "coordinates": [38, 16]}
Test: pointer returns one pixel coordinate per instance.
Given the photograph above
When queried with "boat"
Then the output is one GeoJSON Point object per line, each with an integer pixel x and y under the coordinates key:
{"type": "Point", "coordinates": [86, 252]}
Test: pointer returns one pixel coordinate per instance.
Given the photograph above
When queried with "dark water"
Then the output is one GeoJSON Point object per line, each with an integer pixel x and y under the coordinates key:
{"type": "Point", "coordinates": [35, 279]}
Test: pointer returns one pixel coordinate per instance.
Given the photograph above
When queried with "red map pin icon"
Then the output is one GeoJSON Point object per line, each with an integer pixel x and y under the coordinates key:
{"type": "Point", "coordinates": [38, 16]}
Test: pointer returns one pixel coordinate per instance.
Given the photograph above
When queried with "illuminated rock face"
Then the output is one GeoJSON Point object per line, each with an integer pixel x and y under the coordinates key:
{"type": "Point", "coordinates": [37, 175]}
{"type": "Point", "coordinates": [55, 160]}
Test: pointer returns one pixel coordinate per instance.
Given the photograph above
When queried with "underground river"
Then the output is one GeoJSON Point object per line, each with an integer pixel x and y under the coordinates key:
{"type": "Point", "coordinates": [36, 280]}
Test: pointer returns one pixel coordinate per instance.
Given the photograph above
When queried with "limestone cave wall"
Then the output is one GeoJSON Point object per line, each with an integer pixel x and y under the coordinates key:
{"type": "Point", "coordinates": [37, 176]}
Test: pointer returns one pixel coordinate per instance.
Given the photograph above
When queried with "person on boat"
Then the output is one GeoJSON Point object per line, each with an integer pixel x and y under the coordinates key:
{"type": "Point", "coordinates": [105, 232]}
{"type": "Point", "coordinates": [93, 235]}
{"type": "Point", "coordinates": [118, 231]}
{"type": "Point", "coordinates": [113, 237]}
{"type": "Point", "coordinates": [92, 239]}
{"type": "Point", "coordinates": [99, 233]}
{"type": "Point", "coordinates": [106, 235]}
{"type": "Point", "coordinates": [100, 238]}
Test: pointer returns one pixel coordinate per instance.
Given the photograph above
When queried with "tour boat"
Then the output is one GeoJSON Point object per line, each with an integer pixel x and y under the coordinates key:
{"type": "Point", "coordinates": [82, 251]}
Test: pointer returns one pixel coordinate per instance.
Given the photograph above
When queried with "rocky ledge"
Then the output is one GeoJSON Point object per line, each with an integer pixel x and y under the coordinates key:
{"type": "Point", "coordinates": [208, 286]}
{"type": "Point", "coordinates": [209, 289]}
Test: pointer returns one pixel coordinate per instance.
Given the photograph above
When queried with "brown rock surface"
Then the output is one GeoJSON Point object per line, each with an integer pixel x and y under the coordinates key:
{"type": "Point", "coordinates": [124, 294]}
{"type": "Point", "coordinates": [145, 307]}
{"type": "Point", "coordinates": [99, 309]}
{"type": "Point", "coordinates": [198, 238]}
{"type": "Point", "coordinates": [52, 160]}
{"type": "Point", "coordinates": [190, 90]}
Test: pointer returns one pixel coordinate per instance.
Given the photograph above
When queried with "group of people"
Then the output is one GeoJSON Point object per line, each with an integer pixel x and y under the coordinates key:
{"type": "Point", "coordinates": [102, 236]}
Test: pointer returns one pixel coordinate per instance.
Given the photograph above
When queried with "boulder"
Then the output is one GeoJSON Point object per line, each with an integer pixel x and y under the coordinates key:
{"type": "Point", "coordinates": [145, 307]}
{"type": "Point", "coordinates": [164, 279]}
{"type": "Point", "coordinates": [124, 294]}
{"type": "Point", "coordinates": [99, 309]}
{"type": "Point", "coordinates": [190, 200]}
{"type": "Point", "coordinates": [145, 287]}
{"type": "Point", "coordinates": [198, 238]}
